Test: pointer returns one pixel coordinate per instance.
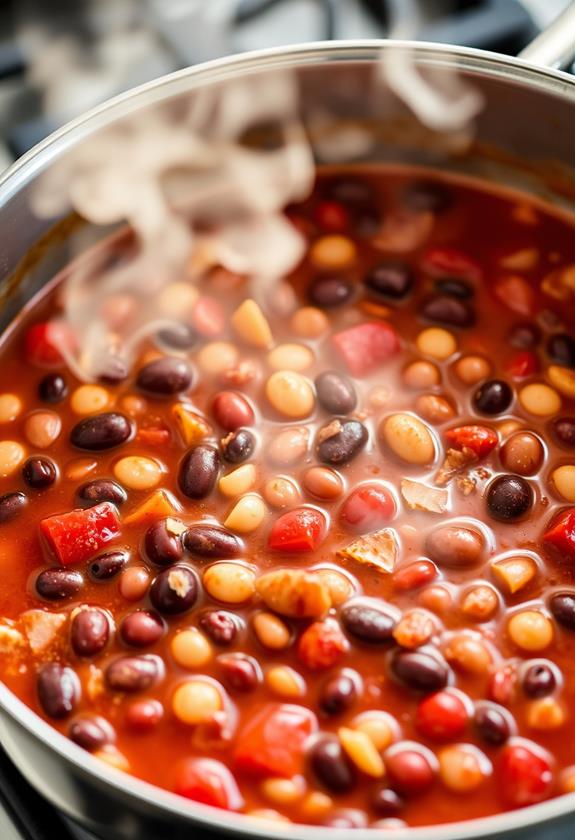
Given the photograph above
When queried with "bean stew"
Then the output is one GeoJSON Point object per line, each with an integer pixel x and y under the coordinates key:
{"type": "Point", "coordinates": [312, 558]}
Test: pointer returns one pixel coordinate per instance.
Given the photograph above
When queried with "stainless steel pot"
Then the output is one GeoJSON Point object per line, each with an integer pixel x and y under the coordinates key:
{"type": "Point", "coordinates": [524, 136]}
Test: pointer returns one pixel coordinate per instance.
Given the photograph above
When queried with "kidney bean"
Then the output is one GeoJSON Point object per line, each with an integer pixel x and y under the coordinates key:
{"type": "Point", "coordinates": [108, 565]}
{"type": "Point", "coordinates": [198, 471]}
{"type": "Point", "coordinates": [335, 392]}
{"type": "Point", "coordinates": [143, 716]}
{"type": "Point", "coordinates": [338, 694]}
{"type": "Point", "coordinates": [162, 546]}
{"type": "Point", "coordinates": [425, 196]}
{"type": "Point", "coordinates": [165, 377]}
{"type": "Point", "coordinates": [101, 490]}
{"type": "Point", "coordinates": [39, 473]}
{"type": "Point", "coordinates": [564, 430]}
{"type": "Point", "coordinates": [55, 584]}
{"type": "Point", "coordinates": [241, 672]}
{"type": "Point", "coordinates": [390, 279]}
{"type": "Point", "coordinates": [455, 546]}
{"type": "Point", "coordinates": [220, 626]}
{"type": "Point", "coordinates": [328, 292]}
{"type": "Point", "coordinates": [562, 606]}
{"type": "Point", "coordinates": [493, 397]}
{"type": "Point", "coordinates": [231, 410]}
{"type": "Point", "coordinates": [539, 680]}
{"type": "Point", "coordinates": [509, 497]}
{"type": "Point", "coordinates": [387, 801]}
{"type": "Point", "coordinates": [238, 446]}
{"type": "Point", "coordinates": [141, 628]}
{"type": "Point", "coordinates": [448, 311]}
{"type": "Point", "coordinates": [53, 389]}
{"type": "Point", "coordinates": [11, 506]}
{"type": "Point", "coordinates": [58, 689]}
{"type": "Point", "coordinates": [211, 542]}
{"type": "Point", "coordinates": [174, 590]}
{"type": "Point", "coordinates": [133, 673]}
{"type": "Point", "coordinates": [89, 631]}
{"type": "Point", "coordinates": [103, 431]}
{"type": "Point", "coordinates": [492, 723]}
{"type": "Point", "coordinates": [561, 349]}
{"type": "Point", "coordinates": [347, 440]}
{"type": "Point", "coordinates": [368, 621]}
{"type": "Point", "coordinates": [415, 574]}
{"type": "Point", "coordinates": [331, 766]}
{"type": "Point", "coordinates": [181, 336]}
{"type": "Point", "coordinates": [410, 769]}
{"type": "Point", "coordinates": [419, 671]}
{"type": "Point", "coordinates": [454, 288]}
{"type": "Point", "coordinates": [91, 733]}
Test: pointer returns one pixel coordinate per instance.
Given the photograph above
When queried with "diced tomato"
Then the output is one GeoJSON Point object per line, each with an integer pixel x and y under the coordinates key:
{"type": "Point", "coordinates": [442, 716]}
{"type": "Point", "coordinates": [415, 574]}
{"type": "Point", "coordinates": [273, 742]}
{"type": "Point", "coordinates": [76, 536]}
{"type": "Point", "coordinates": [332, 216]}
{"type": "Point", "coordinates": [322, 645]}
{"type": "Point", "coordinates": [521, 364]}
{"type": "Point", "coordinates": [562, 534]}
{"type": "Point", "coordinates": [43, 342]}
{"type": "Point", "coordinates": [516, 294]}
{"type": "Point", "coordinates": [366, 346]}
{"type": "Point", "coordinates": [367, 508]}
{"type": "Point", "coordinates": [209, 781]}
{"type": "Point", "coordinates": [480, 439]}
{"type": "Point", "coordinates": [301, 529]}
{"type": "Point", "coordinates": [525, 774]}
{"type": "Point", "coordinates": [154, 436]}
{"type": "Point", "coordinates": [502, 686]}
{"type": "Point", "coordinates": [449, 262]}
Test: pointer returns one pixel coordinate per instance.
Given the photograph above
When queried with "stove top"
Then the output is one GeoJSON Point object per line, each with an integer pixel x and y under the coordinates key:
{"type": "Point", "coordinates": [111, 45]}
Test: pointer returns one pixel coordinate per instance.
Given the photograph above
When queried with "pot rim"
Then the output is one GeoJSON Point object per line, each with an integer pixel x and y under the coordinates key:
{"type": "Point", "coordinates": [509, 69]}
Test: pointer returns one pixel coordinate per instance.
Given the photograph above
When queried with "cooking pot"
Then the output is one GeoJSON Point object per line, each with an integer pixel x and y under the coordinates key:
{"type": "Point", "coordinates": [523, 137]}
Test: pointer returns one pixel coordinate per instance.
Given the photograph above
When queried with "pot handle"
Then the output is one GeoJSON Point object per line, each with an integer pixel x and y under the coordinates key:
{"type": "Point", "coordinates": [555, 46]}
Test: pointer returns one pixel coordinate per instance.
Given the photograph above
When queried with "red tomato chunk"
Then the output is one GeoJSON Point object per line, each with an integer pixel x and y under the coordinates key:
{"type": "Point", "coordinates": [273, 743]}
{"type": "Point", "coordinates": [76, 536]}
{"type": "Point", "coordinates": [302, 529]}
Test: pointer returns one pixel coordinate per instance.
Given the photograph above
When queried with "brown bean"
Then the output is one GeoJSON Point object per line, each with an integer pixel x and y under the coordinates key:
{"type": "Point", "coordinates": [522, 454]}
{"type": "Point", "coordinates": [108, 565]}
{"type": "Point", "coordinates": [91, 732]}
{"type": "Point", "coordinates": [141, 628]}
{"type": "Point", "coordinates": [58, 689]}
{"type": "Point", "coordinates": [133, 673]}
{"type": "Point", "coordinates": [101, 490]}
{"type": "Point", "coordinates": [165, 377]}
{"type": "Point", "coordinates": [231, 410]}
{"type": "Point", "coordinates": [455, 546]}
{"type": "Point", "coordinates": [174, 590]}
{"type": "Point", "coordinates": [56, 584]}
{"type": "Point", "coordinates": [89, 631]}
{"type": "Point", "coordinates": [198, 471]}
{"type": "Point", "coordinates": [104, 431]}
{"type": "Point", "coordinates": [11, 506]}
{"type": "Point", "coordinates": [339, 442]}
{"type": "Point", "coordinates": [211, 542]}
{"type": "Point", "coordinates": [240, 672]}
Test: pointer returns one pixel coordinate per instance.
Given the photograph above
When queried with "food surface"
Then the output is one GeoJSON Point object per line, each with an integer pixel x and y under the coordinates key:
{"type": "Point", "coordinates": [312, 558]}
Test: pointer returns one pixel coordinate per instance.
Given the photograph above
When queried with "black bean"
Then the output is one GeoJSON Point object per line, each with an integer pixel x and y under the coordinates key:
{"type": "Point", "coordinates": [104, 431]}
{"type": "Point", "coordinates": [58, 689]}
{"type": "Point", "coordinates": [57, 584]}
{"type": "Point", "coordinates": [562, 606]}
{"type": "Point", "coordinates": [108, 565]}
{"type": "Point", "coordinates": [101, 490]}
{"type": "Point", "coordinates": [39, 473]}
{"type": "Point", "coordinates": [539, 680]}
{"type": "Point", "coordinates": [165, 377]}
{"type": "Point", "coordinates": [12, 505]}
{"type": "Point", "coordinates": [328, 292]}
{"type": "Point", "coordinates": [454, 288]}
{"type": "Point", "coordinates": [564, 430]}
{"type": "Point", "coordinates": [240, 672]}
{"type": "Point", "coordinates": [91, 733]}
{"type": "Point", "coordinates": [338, 694]}
{"type": "Point", "coordinates": [509, 497]}
{"type": "Point", "coordinates": [524, 336]}
{"type": "Point", "coordinates": [198, 471]}
{"type": "Point", "coordinates": [335, 392]}
{"type": "Point", "coordinates": [493, 397]}
{"type": "Point", "coordinates": [211, 542]}
{"type": "Point", "coordinates": [448, 311]}
{"type": "Point", "coordinates": [368, 621]}
{"type": "Point", "coordinates": [133, 673]}
{"type": "Point", "coordinates": [174, 590]}
{"type": "Point", "coordinates": [162, 546]}
{"type": "Point", "coordinates": [354, 193]}
{"type": "Point", "coordinates": [331, 766]}
{"type": "Point", "coordinates": [220, 626]}
{"type": "Point", "coordinates": [390, 279]}
{"type": "Point", "coordinates": [561, 349]}
{"type": "Point", "coordinates": [492, 724]}
{"type": "Point", "coordinates": [386, 802]}
{"type": "Point", "coordinates": [425, 196]}
{"type": "Point", "coordinates": [53, 389]}
{"type": "Point", "coordinates": [346, 439]}
{"type": "Point", "coordinates": [238, 446]}
{"type": "Point", "coordinates": [141, 628]}
{"type": "Point", "coordinates": [89, 631]}
{"type": "Point", "coordinates": [419, 671]}
{"type": "Point", "coordinates": [180, 336]}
